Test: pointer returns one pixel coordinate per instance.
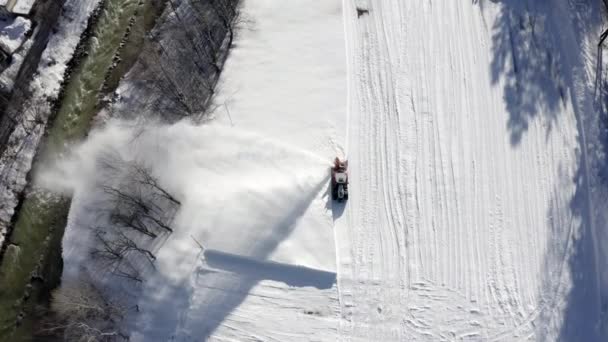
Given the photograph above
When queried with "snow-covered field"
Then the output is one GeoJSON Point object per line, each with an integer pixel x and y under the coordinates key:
{"type": "Point", "coordinates": [466, 125]}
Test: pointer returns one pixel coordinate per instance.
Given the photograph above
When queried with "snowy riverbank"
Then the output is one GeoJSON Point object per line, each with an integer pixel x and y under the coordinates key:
{"type": "Point", "coordinates": [16, 161]}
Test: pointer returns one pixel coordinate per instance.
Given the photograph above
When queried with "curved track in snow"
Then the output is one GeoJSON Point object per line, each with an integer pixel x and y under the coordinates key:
{"type": "Point", "coordinates": [467, 177]}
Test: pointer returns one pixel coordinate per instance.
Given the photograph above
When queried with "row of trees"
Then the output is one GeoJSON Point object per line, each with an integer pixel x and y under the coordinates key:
{"type": "Point", "coordinates": [137, 210]}
{"type": "Point", "coordinates": [81, 312]}
{"type": "Point", "coordinates": [132, 212]}
{"type": "Point", "coordinates": [182, 63]}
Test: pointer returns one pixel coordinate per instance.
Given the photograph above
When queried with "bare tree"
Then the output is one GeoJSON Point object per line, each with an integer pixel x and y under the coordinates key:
{"type": "Point", "coordinates": [182, 63]}
{"type": "Point", "coordinates": [106, 249]}
{"type": "Point", "coordinates": [115, 245]}
{"type": "Point", "coordinates": [112, 255]}
{"type": "Point", "coordinates": [230, 15]}
{"type": "Point", "coordinates": [206, 53]}
{"type": "Point", "coordinates": [127, 245]}
{"type": "Point", "coordinates": [143, 176]}
{"type": "Point", "coordinates": [136, 208]}
{"type": "Point", "coordinates": [81, 312]}
{"type": "Point", "coordinates": [138, 200]}
{"type": "Point", "coordinates": [165, 80]}
{"type": "Point", "coordinates": [131, 220]}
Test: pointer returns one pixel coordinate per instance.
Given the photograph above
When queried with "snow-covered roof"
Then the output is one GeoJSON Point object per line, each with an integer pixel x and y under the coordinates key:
{"type": "Point", "coordinates": [12, 33]}
{"type": "Point", "coordinates": [23, 7]}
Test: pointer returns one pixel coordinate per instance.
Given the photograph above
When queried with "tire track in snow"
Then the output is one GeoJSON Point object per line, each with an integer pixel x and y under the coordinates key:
{"type": "Point", "coordinates": [445, 199]}
{"type": "Point", "coordinates": [379, 143]}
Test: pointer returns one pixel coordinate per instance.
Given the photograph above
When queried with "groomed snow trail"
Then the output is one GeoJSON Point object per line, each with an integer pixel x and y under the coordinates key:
{"type": "Point", "coordinates": [464, 156]}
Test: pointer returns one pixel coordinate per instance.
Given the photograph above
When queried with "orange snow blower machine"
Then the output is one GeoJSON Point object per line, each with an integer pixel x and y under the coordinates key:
{"type": "Point", "coordinates": [339, 180]}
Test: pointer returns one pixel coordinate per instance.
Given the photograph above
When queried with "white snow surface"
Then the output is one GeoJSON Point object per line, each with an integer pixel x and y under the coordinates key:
{"type": "Point", "coordinates": [470, 217]}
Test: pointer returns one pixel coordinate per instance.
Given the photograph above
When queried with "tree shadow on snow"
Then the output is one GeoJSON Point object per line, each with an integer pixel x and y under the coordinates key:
{"type": "Point", "coordinates": [570, 251]}
{"type": "Point", "coordinates": [536, 74]}
{"type": "Point", "coordinates": [537, 49]}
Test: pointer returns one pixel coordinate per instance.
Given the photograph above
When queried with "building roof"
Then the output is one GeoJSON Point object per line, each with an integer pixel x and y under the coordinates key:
{"type": "Point", "coordinates": [13, 33]}
{"type": "Point", "coordinates": [23, 7]}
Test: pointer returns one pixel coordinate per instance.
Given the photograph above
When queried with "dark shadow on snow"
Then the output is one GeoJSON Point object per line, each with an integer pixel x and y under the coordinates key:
{"type": "Point", "coordinates": [536, 55]}
{"type": "Point", "coordinates": [292, 275]}
{"type": "Point", "coordinates": [524, 38]}
{"type": "Point", "coordinates": [337, 208]}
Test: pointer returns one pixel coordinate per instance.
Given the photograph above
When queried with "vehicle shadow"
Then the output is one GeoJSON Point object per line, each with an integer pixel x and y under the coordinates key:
{"type": "Point", "coordinates": [337, 208]}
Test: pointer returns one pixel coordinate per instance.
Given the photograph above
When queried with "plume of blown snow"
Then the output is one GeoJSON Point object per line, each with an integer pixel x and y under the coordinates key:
{"type": "Point", "coordinates": [240, 192]}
